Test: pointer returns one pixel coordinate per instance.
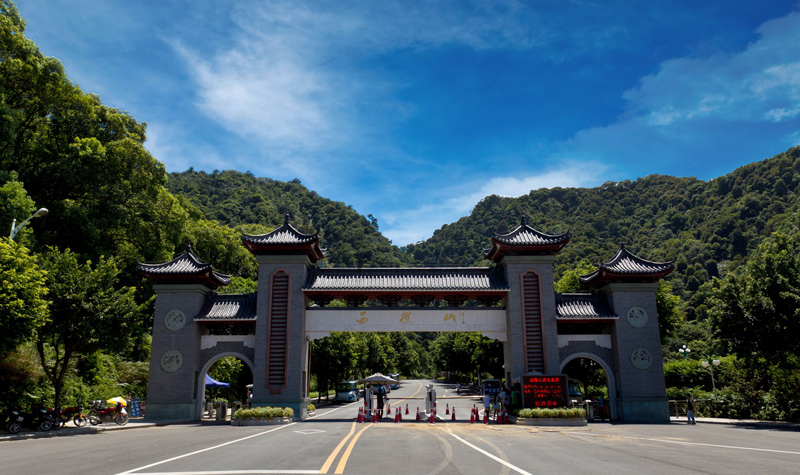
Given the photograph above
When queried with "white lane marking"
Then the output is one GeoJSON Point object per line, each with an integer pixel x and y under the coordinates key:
{"type": "Point", "coordinates": [493, 457]}
{"type": "Point", "coordinates": [715, 445]}
{"type": "Point", "coordinates": [205, 450]}
{"type": "Point", "coordinates": [223, 445]}
{"type": "Point", "coordinates": [233, 472]}
{"type": "Point", "coordinates": [701, 444]}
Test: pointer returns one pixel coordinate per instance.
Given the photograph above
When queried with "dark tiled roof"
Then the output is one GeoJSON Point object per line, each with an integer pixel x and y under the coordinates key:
{"type": "Point", "coordinates": [186, 268]}
{"type": "Point", "coordinates": [582, 307]}
{"type": "Point", "coordinates": [625, 266]}
{"type": "Point", "coordinates": [229, 308]}
{"type": "Point", "coordinates": [370, 279]}
{"type": "Point", "coordinates": [525, 240]}
{"type": "Point", "coordinates": [285, 238]}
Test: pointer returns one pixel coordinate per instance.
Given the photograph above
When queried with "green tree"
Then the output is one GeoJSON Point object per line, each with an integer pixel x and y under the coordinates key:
{"type": "Point", "coordinates": [14, 204]}
{"type": "Point", "coordinates": [23, 303]}
{"type": "Point", "coordinates": [570, 280]}
{"type": "Point", "coordinates": [88, 313]}
{"type": "Point", "coordinates": [668, 308]}
{"type": "Point", "coordinates": [756, 310]}
{"type": "Point", "coordinates": [84, 161]}
{"type": "Point", "coordinates": [222, 247]}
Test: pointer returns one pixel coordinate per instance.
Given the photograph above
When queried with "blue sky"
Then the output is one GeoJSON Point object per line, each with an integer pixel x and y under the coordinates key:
{"type": "Point", "coordinates": [414, 111]}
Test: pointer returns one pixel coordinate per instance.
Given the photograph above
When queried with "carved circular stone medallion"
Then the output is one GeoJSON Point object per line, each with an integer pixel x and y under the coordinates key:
{"type": "Point", "coordinates": [175, 320]}
{"type": "Point", "coordinates": [171, 361]}
{"type": "Point", "coordinates": [637, 317]}
{"type": "Point", "coordinates": [641, 358]}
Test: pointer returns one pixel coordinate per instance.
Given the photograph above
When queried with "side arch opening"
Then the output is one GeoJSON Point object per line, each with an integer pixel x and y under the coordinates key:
{"type": "Point", "coordinates": [596, 379]}
{"type": "Point", "coordinates": [234, 367]}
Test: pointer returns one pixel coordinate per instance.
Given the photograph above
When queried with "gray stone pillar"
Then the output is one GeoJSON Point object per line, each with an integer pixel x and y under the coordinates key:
{"type": "Point", "coordinates": [641, 390]}
{"type": "Point", "coordinates": [281, 348]}
{"type": "Point", "coordinates": [175, 352]}
{"type": "Point", "coordinates": [531, 315]}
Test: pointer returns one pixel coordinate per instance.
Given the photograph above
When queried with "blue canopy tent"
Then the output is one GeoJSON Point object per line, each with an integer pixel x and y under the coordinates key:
{"type": "Point", "coordinates": [213, 383]}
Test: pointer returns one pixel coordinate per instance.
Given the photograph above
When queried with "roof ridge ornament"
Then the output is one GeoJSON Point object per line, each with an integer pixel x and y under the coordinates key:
{"type": "Point", "coordinates": [523, 221]}
{"type": "Point", "coordinates": [286, 219]}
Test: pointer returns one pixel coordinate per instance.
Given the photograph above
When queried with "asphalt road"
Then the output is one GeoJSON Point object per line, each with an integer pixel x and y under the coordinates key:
{"type": "Point", "coordinates": [332, 442]}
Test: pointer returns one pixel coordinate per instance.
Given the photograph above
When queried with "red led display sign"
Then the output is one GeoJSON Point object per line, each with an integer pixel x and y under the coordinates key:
{"type": "Point", "coordinates": [544, 390]}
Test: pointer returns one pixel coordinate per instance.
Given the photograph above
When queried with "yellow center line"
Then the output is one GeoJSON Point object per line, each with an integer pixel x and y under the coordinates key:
{"type": "Point", "coordinates": [346, 455]}
{"type": "Point", "coordinates": [408, 397]}
{"type": "Point", "coordinates": [335, 452]}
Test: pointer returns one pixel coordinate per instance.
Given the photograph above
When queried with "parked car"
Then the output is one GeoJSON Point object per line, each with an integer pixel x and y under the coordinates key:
{"type": "Point", "coordinates": [347, 391]}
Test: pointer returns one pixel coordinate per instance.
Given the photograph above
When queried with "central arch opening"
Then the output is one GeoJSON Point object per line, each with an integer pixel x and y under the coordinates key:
{"type": "Point", "coordinates": [459, 357]}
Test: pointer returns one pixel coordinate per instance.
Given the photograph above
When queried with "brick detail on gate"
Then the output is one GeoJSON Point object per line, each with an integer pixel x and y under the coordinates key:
{"type": "Point", "coordinates": [532, 318]}
{"type": "Point", "coordinates": [278, 336]}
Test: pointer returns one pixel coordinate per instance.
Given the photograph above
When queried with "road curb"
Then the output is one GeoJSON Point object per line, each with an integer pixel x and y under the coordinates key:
{"type": "Point", "coordinates": [778, 425]}
{"type": "Point", "coordinates": [68, 431]}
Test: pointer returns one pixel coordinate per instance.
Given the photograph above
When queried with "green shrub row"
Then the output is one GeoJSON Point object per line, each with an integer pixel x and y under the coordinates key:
{"type": "Point", "coordinates": [555, 413]}
{"type": "Point", "coordinates": [264, 412]}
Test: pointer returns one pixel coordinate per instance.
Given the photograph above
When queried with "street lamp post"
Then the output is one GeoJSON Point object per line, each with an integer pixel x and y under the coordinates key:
{"type": "Point", "coordinates": [685, 352]}
{"type": "Point", "coordinates": [714, 362]}
{"type": "Point", "coordinates": [15, 229]}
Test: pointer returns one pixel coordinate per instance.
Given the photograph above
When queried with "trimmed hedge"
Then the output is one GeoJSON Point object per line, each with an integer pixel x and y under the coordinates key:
{"type": "Point", "coordinates": [265, 412]}
{"type": "Point", "coordinates": [556, 413]}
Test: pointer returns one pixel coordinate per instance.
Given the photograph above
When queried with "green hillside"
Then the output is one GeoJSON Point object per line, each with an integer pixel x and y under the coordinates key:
{"type": "Point", "coordinates": [235, 198]}
{"type": "Point", "coordinates": [708, 228]}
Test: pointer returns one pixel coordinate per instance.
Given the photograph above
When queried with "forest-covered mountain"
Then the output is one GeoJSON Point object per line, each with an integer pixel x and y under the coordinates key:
{"type": "Point", "coordinates": [708, 228]}
{"type": "Point", "coordinates": [235, 199]}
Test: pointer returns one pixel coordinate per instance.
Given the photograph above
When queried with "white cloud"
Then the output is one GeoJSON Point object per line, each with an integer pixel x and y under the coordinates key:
{"type": "Point", "coordinates": [760, 83]}
{"type": "Point", "coordinates": [294, 79]}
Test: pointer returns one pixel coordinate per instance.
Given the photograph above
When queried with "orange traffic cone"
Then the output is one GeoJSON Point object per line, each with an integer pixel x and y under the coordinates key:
{"type": "Point", "coordinates": [454, 414]}
{"type": "Point", "coordinates": [375, 416]}
{"type": "Point", "coordinates": [406, 408]}
{"type": "Point", "coordinates": [400, 414]}
{"type": "Point", "coordinates": [472, 417]}
{"type": "Point", "coordinates": [505, 416]}
{"type": "Point", "coordinates": [417, 413]}
{"type": "Point", "coordinates": [447, 410]}
{"type": "Point", "coordinates": [397, 416]}
{"type": "Point", "coordinates": [486, 416]}
{"type": "Point", "coordinates": [360, 415]}
{"type": "Point", "coordinates": [431, 419]}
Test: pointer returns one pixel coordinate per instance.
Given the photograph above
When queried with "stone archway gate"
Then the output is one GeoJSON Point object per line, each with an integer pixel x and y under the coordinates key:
{"type": "Point", "coordinates": [512, 301]}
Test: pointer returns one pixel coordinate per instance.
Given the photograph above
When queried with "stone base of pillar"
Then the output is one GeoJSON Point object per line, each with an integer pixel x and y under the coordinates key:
{"type": "Point", "coordinates": [170, 411]}
{"type": "Point", "coordinates": [649, 410]}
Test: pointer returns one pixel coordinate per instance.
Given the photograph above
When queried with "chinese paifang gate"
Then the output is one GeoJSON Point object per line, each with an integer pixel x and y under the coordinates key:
{"type": "Point", "coordinates": [514, 301]}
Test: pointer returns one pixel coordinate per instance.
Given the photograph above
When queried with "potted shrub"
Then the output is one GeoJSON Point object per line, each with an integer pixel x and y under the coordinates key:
{"type": "Point", "coordinates": [550, 417]}
{"type": "Point", "coordinates": [264, 415]}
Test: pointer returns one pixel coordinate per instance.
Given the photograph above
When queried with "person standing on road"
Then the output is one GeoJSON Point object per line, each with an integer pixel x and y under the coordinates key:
{"type": "Point", "coordinates": [690, 409]}
{"type": "Point", "coordinates": [380, 389]}
{"type": "Point", "coordinates": [501, 398]}
{"type": "Point", "coordinates": [487, 403]}
{"type": "Point", "coordinates": [514, 397]}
